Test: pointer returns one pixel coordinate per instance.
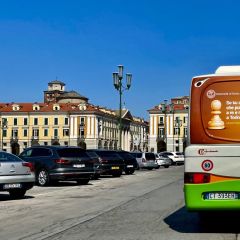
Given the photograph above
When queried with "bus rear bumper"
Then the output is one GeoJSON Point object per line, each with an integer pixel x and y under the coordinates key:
{"type": "Point", "coordinates": [196, 196]}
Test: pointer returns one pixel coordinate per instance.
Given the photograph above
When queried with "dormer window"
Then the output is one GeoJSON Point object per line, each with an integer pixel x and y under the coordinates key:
{"type": "Point", "coordinates": [82, 106]}
{"type": "Point", "coordinates": [56, 107]}
{"type": "Point", "coordinates": [36, 107]}
{"type": "Point", "coordinates": [15, 107]}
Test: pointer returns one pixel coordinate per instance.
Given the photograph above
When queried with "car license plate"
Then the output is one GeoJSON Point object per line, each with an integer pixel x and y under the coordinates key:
{"type": "Point", "coordinates": [129, 166]}
{"type": "Point", "coordinates": [12, 185]}
{"type": "Point", "coordinates": [79, 165]}
{"type": "Point", "coordinates": [115, 167]}
{"type": "Point", "coordinates": [221, 196]}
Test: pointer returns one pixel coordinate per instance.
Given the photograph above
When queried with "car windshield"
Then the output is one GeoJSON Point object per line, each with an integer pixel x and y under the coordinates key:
{"type": "Point", "coordinates": [179, 153]}
{"type": "Point", "coordinates": [150, 156]}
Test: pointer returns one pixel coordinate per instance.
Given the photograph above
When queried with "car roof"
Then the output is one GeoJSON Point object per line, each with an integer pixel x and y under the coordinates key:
{"type": "Point", "coordinates": [54, 147]}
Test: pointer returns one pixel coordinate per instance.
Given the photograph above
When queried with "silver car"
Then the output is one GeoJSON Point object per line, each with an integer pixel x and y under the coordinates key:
{"type": "Point", "coordinates": [163, 160]}
{"type": "Point", "coordinates": [16, 176]}
{"type": "Point", "coordinates": [145, 160]}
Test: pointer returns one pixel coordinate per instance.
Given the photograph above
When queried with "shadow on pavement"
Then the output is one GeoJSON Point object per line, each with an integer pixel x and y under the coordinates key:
{"type": "Point", "coordinates": [6, 197]}
{"type": "Point", "coordinates": [213, 222]}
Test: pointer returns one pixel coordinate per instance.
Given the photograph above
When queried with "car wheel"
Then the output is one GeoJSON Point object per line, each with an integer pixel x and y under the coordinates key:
{"type": "Point", "coordinates": [166, 166]}
{"type": "Point", "coordinates": [129, 171]}
{"type": "Point", "coordinates": [96, 176]}
{"type": "Point", "coordinates": [17, 193]}
{"type": "Point", "coordinates": [42, 177]}
{"type": "Point", "coordinates": [82, 181]}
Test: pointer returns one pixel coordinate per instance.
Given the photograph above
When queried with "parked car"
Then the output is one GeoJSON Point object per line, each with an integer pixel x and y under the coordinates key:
{"type": "Point", "coordinates": [96, 164]}
{"type": "Point", "coordinates": [55, 163]}
{"type": "Point", "coordinates": [130, 163]}
{"type": "Point", "coordinates": [16, 175]}
{"type": "Point", "coordinates": [110, 162]}
{"type": "Point", "coordinates": [146, 160]}
{"type": "Point", "coordinates": [163, 160]}
{"type": "Point", "coordinates": [177, 157]}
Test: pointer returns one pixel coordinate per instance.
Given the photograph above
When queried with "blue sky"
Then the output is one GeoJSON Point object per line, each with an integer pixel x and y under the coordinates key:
{"type": "Point", "coordinates": [162, 43]}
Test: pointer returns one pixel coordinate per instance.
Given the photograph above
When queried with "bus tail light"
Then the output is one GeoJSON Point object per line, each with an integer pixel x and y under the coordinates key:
{"type": "Point", "coordinates": [196, 178]}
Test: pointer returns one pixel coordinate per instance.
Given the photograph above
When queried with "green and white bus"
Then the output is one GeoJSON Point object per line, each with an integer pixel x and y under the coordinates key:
{"type": "Point", "coordinates": [212, 157]}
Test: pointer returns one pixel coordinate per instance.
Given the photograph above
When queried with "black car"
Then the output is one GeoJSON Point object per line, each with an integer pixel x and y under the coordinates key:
{"type": "Point", "coordinates": [130, 163]}
{"type": "Point", "coordinates": [110, 163]}
{"type": "Point", "coordinates": [59, 163]}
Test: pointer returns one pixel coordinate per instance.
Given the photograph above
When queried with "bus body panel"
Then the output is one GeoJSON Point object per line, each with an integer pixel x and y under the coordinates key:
{"type": "Point", "coordinates": [224, 176]}
{"type": "Point", "coordinates": [194, 196]}
{"type": "Point", "coordinates": [215, 110]}
{"type": "Point", "coordinates": [212, 158]}
{"type": "Point", "coordinates": [225, 159]}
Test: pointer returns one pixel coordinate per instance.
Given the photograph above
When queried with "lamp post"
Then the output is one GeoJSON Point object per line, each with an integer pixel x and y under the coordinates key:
{"type": "Point", "coordinates": [178, 124]}
{"type": "Point", "coordinates": [172, 110]}
{"type": "Point", "coordinates": [117, 82]}
{"type": "Point", "coordinates": [164, 110]}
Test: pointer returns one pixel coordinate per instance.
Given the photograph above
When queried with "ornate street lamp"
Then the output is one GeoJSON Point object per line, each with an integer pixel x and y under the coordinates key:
{"type": "Point", "coordinates": [117, 82]}
{"type": "Point", "coordinates": [164, 110]}
{"type": "Point", "coordinates": [172, 111]}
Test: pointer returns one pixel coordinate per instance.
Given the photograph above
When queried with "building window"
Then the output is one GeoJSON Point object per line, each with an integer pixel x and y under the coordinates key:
{"type": "Point", "coordinates": [35, 133]}
{"type": "Point", "coordinates": [161, 132]}
{"type": "Point", "coordinates": [185, 131]}
{"type": "Point", "coordinates": [65, 132]}
{"type": "Point", "coordinates": [66, 121]}
{"type": "Point", "coordinates": [15, 122]}
{"type": "Point", "coordinates": [82, 120]}
{"type": "Point", "coordinates": [14, 133]}
{"type": "Point", "coordinates": [176, 131]}
{"type": "Point", "coordinates": [45, 143]}
{"type": "Point", "coordinates": [4, 132]}
{"type": "Point", "coordinates": [66, 143]}
{"type": "Point", "coordinates": [45, 121]}
{"type": "Point", "coordinates": [25, 121]}
{"type": "Point", "coordinates": [55, 133]}
{"type": "Point", "coordinates": [25, 132]}
{"type": "Point", "coordinates": [55, 121]}
{"type": "Point", "coordinates": [35, 122]}
{"type": "Point", "coordinates": [161, 120]}
{"type": "Point", "coordinates": [185, 119]}
{"type": "Point", "coordinates": [45, 132]}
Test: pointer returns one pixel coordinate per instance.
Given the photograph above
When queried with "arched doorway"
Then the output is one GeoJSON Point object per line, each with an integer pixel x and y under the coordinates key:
{"type": "Point", "coordinates": [55, 143]}
{"type": "Point", "coordinates": [15, 148]}
{"type": "Point", "coordinates": [161, 146]}
{"type": "Point", "coordinates": [82, 145]}
{"type": "Point", "coordinates": [100, 144]}
{"type": "Point", "coordinates": [105, 145]}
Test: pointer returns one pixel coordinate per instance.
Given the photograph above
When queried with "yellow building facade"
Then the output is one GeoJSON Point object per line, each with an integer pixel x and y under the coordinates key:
{"type": "Point", "coordinates": [168, 125]}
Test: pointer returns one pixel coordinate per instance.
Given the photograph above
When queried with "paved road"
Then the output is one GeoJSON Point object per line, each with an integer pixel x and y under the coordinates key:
{"type": "Point", "coordinates": [147, 205]}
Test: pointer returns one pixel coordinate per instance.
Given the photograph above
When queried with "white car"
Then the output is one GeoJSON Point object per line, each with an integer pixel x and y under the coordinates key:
{"type": "Point", "coordinates": [177, 157]}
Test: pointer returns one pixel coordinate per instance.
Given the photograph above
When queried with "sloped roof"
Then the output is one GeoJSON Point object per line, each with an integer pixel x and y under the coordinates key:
{"type": "Point", "coordinates": [56, 82]}
{"type": "Point", "coordinates": [72, 94]}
